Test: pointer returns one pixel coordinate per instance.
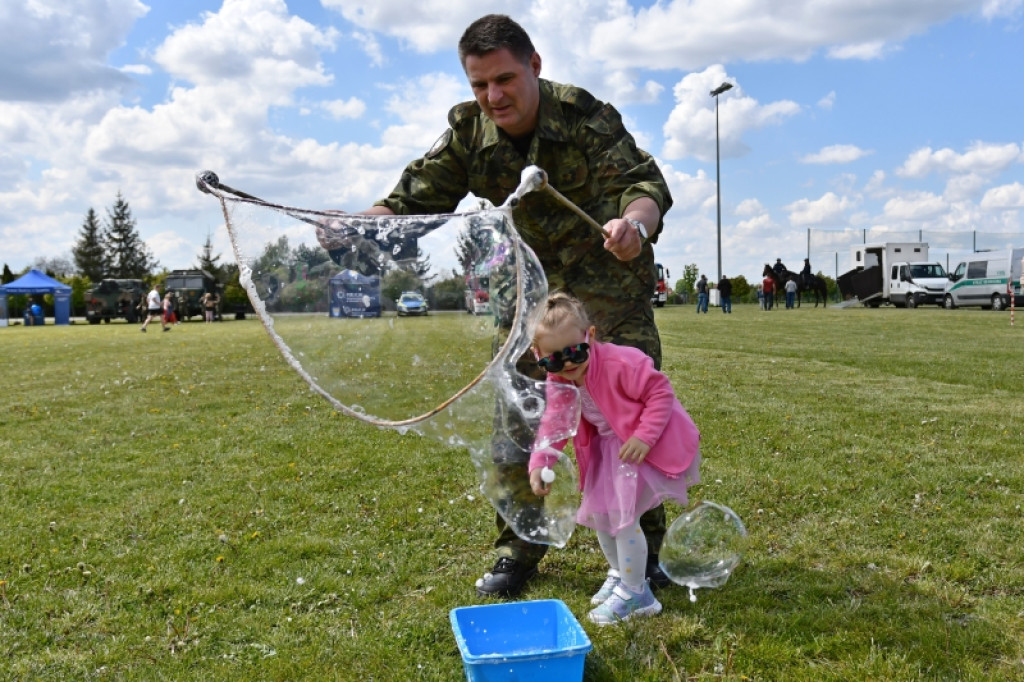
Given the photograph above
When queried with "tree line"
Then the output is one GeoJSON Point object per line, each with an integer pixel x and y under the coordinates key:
{"type": "Point", "coordinates": [112, 248]}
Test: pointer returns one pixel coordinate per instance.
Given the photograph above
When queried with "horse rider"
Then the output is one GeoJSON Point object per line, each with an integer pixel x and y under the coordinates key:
{"type": "Point", "coordinates": [780, 269]}
{"type": "Point", "coordinates": [805, 274]}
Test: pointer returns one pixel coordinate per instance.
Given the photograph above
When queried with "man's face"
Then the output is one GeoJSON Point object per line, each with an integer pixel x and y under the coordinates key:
{"type": "Point", "coordinates": [507, 90]}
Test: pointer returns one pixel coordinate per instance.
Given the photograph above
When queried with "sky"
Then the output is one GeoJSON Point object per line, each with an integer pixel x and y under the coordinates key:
{"type": "Point", "coordinates": [848, 119]}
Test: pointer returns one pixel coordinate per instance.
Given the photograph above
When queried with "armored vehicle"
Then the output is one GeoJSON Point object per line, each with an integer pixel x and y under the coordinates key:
{"type": "Point", "coordinates": [188, 287]}
{"type": "Point", "coordinates": [114, 298]}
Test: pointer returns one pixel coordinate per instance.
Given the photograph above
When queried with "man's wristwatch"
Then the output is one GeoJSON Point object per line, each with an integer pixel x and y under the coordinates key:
{"type": "Point", "coordinates": [639, 228]}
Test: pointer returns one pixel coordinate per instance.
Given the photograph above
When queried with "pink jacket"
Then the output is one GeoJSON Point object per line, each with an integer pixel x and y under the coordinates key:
{"type": "Point", "coordinates": [637, 400]}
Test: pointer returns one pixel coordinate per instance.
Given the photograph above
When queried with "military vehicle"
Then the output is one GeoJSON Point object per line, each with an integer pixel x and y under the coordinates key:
{"type": "Point", "coordinates": [114, 298]}
{"type": "Point", "coordinates": [188, 287]}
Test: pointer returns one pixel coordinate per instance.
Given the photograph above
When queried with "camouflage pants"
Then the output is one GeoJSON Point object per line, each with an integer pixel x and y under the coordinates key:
{"type": "Point", "coordinates": [510, 446]}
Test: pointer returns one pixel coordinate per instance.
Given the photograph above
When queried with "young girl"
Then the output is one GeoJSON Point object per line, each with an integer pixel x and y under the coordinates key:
{"type": "Point", "coordinates": [169, 316]}
{"type": "Point", "coordinates": [635, 447]}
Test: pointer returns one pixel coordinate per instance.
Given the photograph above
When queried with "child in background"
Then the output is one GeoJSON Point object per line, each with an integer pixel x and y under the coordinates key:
{"type": "Point", "coordinates": [635, 448]}
{"type": "Point", "coordinates": [169, 316]}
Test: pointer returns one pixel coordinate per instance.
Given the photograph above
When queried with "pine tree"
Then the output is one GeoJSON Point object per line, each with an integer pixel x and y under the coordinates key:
{"type": "Point", "coordinates": [129, 257]}
{"type": "Point", "coordinates": [8, 276]}
{"type": "Point", "coordinates": [208, 262]}
{"type": "Point", "coordinates": [88, 251]}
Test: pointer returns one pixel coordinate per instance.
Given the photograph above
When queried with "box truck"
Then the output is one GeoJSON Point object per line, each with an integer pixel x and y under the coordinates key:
{"type": "Point", "coordinates": [894, 272]}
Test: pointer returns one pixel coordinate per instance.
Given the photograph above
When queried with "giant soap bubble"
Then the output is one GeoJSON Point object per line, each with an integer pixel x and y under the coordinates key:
{"type": "Point", "coordinates": [413, 323]}
{"type": "Point", "coordinates": [703, 547]}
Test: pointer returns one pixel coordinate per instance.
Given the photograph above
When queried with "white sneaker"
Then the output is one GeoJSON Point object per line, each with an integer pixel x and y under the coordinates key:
{"type": "Point", "coordinates": [610, 583]}
{"type": "Point", "coordinates": [624, 604]}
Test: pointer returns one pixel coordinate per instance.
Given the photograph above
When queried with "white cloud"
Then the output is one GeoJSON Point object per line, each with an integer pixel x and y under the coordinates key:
{"type": "Point", "coordinates": [1004, 197]}
{"type": "Point", "coordinates": [826, 211]}
{"type": "Point", "coordinates": [875, 185]}
{"type": "Point", "coordinates": [689, 192]}
{"type": "Point", "coordinates": [749, 207]}
{"type": "Point", "coordinates": [828, 101]}
{"type": "Point", "coordinates": [137, 69]}
{"type": "Point", "coordinates": [963, 187]}
{"type": "Point", "coordinates": [915, 206]}
{"type": "Point", "coordinates": [982, 158]}
{"type": "Point", "coordinates": [345, 108]}
{"type": "Point", "coordinates": [874, 49]}
{"type": "Point", "coordinates": [690, 128]}
{"type": "Point", "coordinates": [685, 34]}
{"type": "Point", "coordinates": [837, 153]}
{"type": "Point", "coordinates": [422, 108]}
{"type": "Point", "coordinates": [693, 33]}
{"type": "Point", "coordinates": [424, 25]}
{"type": "Point", "coordinates": [50, 50]}
{"type": "Point", "coordinates": [249, 40]}
{"type": "Point", "coordinates": [992, 9]}
{"type": "Point", "coordinates": [371, 46]}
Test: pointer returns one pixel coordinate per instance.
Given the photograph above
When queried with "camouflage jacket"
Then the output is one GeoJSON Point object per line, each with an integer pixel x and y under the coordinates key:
{"type": "Point", "coordinates": [589, 157]}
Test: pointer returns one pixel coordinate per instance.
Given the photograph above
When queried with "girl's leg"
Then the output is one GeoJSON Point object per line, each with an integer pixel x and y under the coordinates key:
{"type": "Point", "coordinates": [632, 595]}
{"type": "Point", "coordinates": [626, 554]}
{"type": "Point", "coordinates": [611, 553]}
{"type": "Point", "coordinates": [631, 547]}
{"type": "Point", "coordinates": [609, 548]}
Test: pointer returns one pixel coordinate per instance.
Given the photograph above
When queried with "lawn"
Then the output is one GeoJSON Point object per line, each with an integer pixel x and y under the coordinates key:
{"type": "Point", "coordinates": [181, 506]}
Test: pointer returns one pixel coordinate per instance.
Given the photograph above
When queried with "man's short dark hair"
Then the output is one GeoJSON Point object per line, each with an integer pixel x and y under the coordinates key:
{"type": "Point", "coordinates": [495, 32]}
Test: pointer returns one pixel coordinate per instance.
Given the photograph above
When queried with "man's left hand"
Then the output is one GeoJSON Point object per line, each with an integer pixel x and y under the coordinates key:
{"type": "Point", "coordinates": [623, 239]}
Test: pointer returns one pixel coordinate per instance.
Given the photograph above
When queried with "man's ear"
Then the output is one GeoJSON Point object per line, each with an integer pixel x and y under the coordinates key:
{"type": "Point", "coordinates": [535, 64]}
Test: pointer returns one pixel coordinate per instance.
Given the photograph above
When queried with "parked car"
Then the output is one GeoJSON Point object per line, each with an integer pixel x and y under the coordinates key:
{"type": "Point", "coordinates": [411, 303]}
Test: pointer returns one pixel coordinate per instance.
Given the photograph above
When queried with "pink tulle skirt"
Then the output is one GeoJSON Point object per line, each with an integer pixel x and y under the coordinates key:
{"type": "Point", "coordinates": [616, 493]}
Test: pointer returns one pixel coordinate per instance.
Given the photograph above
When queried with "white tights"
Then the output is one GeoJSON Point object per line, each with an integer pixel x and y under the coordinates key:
{"type": "Point", "coordinates": [627, 554]}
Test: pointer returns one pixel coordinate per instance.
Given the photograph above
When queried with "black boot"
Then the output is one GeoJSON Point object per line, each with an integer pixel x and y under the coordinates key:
{"type": "Point", "coordinates": [507, 579]}
{"type": "Point", "coordinates": [655, 575]}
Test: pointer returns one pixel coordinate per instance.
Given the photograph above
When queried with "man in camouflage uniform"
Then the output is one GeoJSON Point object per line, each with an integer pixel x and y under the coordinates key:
{"type": "Point", "coordinates": [517, 120]}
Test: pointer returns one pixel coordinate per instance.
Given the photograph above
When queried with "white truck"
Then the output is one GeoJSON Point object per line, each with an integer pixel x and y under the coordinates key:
{"type": "Point", "coordinates": [987, 279]}
{"type": "Point", "coordinates": [894, 272]}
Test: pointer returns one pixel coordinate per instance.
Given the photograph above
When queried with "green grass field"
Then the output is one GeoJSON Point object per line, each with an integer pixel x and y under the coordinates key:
{"type": "Point", "coordinates": [180, 506]}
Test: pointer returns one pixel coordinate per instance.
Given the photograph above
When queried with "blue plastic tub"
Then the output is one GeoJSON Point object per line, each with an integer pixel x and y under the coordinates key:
{"type": "Point", "coordinates": [527, 641]}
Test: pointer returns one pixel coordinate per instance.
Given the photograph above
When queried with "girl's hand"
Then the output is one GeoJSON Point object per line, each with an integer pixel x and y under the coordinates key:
{"type": "Point", "coordinates": [633, 450]}
{"type": "Point", "coordinates": [539, 487]}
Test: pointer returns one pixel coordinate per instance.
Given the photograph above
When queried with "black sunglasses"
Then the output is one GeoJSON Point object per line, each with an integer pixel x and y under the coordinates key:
{"type": "Point", "coordinates": [555, 362]}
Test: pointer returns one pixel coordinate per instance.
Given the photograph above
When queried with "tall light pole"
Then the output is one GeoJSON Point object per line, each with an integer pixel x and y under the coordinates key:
{"type": "Point", "coordinates": [718, 173]}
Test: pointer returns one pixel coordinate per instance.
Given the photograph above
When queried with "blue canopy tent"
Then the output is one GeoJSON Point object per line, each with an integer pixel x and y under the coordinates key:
{"type": "Point", "coordinates": [36, 282]}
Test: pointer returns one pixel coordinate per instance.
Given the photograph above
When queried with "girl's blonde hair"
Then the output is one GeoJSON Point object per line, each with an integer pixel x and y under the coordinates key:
{"type": "Point", "coordinates": [559, 309]}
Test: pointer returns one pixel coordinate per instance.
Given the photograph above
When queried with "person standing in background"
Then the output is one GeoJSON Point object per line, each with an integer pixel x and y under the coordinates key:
{"type": "Point", "coordinates": [702, 295]}
{"type": "Point", "coordinates": [791, 288]}
{"type": "Point", "coordinates": [768, 288]}
{"type": "Point", "coordinates": [725, 294]}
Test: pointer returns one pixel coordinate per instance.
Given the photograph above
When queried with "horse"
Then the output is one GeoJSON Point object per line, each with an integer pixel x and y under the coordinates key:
{"type": "Point", "coordinates": [817, 285]}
